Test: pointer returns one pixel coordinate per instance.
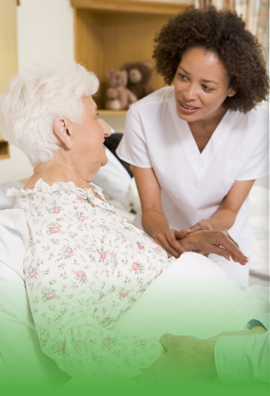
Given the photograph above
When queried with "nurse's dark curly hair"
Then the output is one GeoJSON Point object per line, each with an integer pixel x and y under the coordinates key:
{"type": "Point", "coordinates": [224, 33]}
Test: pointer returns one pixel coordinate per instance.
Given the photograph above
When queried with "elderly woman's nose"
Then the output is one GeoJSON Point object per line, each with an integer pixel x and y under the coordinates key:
{"type": "Point", "coordinates": [106, 128]}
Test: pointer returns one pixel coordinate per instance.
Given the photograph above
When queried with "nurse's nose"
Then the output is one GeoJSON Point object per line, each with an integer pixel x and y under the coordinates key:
{"type": "Point", "coordinates": [191, 92]}
{"type": "Point", "coordinates": [106, 128]}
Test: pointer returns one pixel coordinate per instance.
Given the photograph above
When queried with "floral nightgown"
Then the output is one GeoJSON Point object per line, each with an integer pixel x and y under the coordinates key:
{"type": "Point", "coordinates": [84, 267]}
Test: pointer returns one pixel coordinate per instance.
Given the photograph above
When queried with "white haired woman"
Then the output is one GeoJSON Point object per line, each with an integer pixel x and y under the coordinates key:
{"type": "Point", "coordinates": [85, 266]}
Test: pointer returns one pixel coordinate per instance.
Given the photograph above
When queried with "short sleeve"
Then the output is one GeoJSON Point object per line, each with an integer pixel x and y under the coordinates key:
{"type": "Point", "coordinates": [257, 164]}
{"type": "Point", "coordinates": [133, 148]}
{"type": "Point", "coordinates": [258, 321]}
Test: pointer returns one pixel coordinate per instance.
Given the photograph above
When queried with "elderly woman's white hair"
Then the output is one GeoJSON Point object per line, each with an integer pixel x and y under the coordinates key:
{"type": "Point", "coordinates": [35, 98]}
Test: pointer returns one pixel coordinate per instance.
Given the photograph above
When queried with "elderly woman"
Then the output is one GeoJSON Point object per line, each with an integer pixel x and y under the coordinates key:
{"type": "Point", "coordinates": [85, 266]}
{"type": "Point", "coordinates": [198, 146]}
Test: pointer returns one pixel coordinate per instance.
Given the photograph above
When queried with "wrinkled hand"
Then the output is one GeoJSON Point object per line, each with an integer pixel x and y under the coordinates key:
{"type": "Point", "coordinates": [217, 242]}
{"type": "Point", "coordinates": [168, 239]}
{"type": "Point", "coordinates": [187, 359]}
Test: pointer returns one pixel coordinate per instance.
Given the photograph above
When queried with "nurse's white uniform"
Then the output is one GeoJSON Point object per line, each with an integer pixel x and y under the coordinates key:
{"type": "Point", "coordinates": [193, 184]}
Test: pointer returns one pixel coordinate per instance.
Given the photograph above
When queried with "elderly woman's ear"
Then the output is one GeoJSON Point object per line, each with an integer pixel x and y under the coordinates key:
{"type": "Point", "coordinates": [61, 130]}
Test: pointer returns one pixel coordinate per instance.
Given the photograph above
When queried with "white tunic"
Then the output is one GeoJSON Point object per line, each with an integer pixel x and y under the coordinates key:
{"type": "Point", "coordinates": [193, 184]}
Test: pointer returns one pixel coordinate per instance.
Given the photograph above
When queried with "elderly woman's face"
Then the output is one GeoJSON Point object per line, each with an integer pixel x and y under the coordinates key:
{"type": "Point", "coordinates": [201, 85]}
{"type": "Point", "coordinates": [90, 136]}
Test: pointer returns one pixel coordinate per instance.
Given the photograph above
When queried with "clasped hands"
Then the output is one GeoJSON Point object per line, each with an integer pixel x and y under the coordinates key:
{"type": "Point", "coordinates": [200, 238]}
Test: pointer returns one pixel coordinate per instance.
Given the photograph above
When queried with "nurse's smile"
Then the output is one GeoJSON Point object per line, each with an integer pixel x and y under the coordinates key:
{"type": "Point", "coordinates": [201, 85]}
{"type": "Point", "coordinates": [187, 108]}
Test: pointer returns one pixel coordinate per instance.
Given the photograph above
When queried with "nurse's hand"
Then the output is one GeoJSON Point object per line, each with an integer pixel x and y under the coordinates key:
{"type": "Point", "coordinates": [201, 225]}
{"type": "Point", "coordinates": [168, 239]}
{"type": "Point", "coordinates": [217, 242]}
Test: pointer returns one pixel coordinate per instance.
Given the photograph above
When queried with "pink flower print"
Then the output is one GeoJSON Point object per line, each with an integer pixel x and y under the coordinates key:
{"type": "Point", "coordinates": [140, 246]}
{"type": "Point", "coordinates": [103, 255]}
{"type": "Point", "coordinates": [79, 198]}
{"type": "Point", "coordinates": [100, 297]}
{"type": "Point", "coordinates": [25, 210]}
{"type": "Point", "coordinates": [80, 274]}
{"type": "Point", "coordinates": [61, 346]}
{"type": "Point", "coordinates": [32, 274]}
{"type": "Point", "coordinates": [50, 295]}
{"type": "Point", "coordinates": [79, 343]}
{"type": "Point", "coordinates": [106, 342]}
{"type": "Point", "coordinates": [69, 250]}
{"type": "Point", "coordinates": [157, 249]}
{"type": "Point", "coordinates": [124, 239]}
{"type": "Point", "coordinates": [135, 266]}
{"type": "Point", "coordinates": [81, 218]}
{"type": "Point", "coordinates": [104, 321]}
{"type": "Point", "coordinates": [32, 196]}
{"type": "Point", "coordinates": [124, 294]}
{"type": "Point", "coordinates": [55, 230]}
{"type": "Point", "coordinates": [57, 210]}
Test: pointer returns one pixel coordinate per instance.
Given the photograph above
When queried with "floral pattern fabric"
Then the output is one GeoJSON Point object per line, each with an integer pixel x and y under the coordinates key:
{"type": "Point", "coordinates": [84, 268]}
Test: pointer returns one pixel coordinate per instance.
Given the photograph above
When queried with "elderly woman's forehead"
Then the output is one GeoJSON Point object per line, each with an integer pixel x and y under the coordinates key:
{"type": "Point", "coordinates": [89, 102]}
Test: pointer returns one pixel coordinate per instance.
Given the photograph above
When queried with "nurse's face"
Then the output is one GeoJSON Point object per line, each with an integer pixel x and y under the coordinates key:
{"type": "Point", "coordinates": [201, 85]}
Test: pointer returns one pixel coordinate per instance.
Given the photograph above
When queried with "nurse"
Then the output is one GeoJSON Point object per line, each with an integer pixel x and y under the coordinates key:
{"type": "Point", "coordinates": [197, 146]}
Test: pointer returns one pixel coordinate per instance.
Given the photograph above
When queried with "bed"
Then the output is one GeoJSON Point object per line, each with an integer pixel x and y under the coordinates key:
{"type": "Point", "coordinates": [21, 360]}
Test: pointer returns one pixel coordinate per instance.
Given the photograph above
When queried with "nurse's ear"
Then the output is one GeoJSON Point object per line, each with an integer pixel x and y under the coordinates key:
{"type": "Point", "coordinates": [231, 92]}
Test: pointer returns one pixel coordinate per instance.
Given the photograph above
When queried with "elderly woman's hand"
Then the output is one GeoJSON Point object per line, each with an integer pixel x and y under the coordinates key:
{"type": "Point", "coordinates": [168, 239]}
{"type": "Point", "coordinates": [187, 359]}
{"type": "Point", "coordinates": [217, 242]}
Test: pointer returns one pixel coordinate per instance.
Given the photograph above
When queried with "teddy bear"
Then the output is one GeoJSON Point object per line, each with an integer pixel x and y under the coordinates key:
{"type": "Point", "coordinates": [118, 96]}
{"type": "Point", "coordinates": [139, 76]}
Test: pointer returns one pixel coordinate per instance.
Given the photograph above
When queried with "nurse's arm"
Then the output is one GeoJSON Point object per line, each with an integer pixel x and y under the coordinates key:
{"type": "Point", "coordinates": [154, 221]}
{"type": "Point", "coordinates": [225, 215]}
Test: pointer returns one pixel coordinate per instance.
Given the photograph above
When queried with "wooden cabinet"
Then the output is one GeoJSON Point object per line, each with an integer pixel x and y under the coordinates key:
{"type": "Point", "coordinates": [109, 33]}
{"type": "Point", "coordinates": [8, 53]}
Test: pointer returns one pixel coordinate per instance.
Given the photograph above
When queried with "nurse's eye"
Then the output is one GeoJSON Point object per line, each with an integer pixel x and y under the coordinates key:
{"type": "Point", "coordinates": [182, 77]}
{"type": "Point", "coordinates": [207, 89]}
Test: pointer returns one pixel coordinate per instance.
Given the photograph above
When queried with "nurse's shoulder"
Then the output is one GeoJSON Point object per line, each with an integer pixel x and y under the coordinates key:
{"type": "Point", "coordinates": [159, 97]}
{"type": "Point", "coordinates": [256, 120]}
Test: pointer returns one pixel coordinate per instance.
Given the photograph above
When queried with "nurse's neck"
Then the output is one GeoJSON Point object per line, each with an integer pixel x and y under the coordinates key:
{"type": "Point", "coordinates": [203, 129]}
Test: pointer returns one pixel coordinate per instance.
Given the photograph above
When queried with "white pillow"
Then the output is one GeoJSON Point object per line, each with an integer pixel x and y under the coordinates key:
{"type": "Point", "coordinates": [114, 179]}
{"type": "Point", "coordinates": [19, 345]}
{"type": "Point", "coordinates": [7, 202]}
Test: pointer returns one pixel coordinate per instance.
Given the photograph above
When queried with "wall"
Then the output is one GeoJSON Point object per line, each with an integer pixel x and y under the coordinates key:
{"type": "Point", "coordinates": [45, 31]}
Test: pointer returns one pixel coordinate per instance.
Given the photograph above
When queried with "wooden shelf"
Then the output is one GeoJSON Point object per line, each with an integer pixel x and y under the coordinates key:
{"type": "Point", "coordinates": [112, 112]}
{"type": "Point", "coordinates": [109, 33]}
{"type": "Point", "coordinates": [4, 150]}
{"type": "Point", "coordinates": [145, 7]}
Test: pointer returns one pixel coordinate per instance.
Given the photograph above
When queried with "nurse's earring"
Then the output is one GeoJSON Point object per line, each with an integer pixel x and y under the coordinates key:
{"type": "Point", "coordinates": [232, 93]}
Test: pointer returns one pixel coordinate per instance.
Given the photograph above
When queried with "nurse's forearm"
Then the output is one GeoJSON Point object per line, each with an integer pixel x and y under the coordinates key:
{"type": "Point", "coordinates": [223, 218]}
{"type": "Point", "coordinates": [154, 222]}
